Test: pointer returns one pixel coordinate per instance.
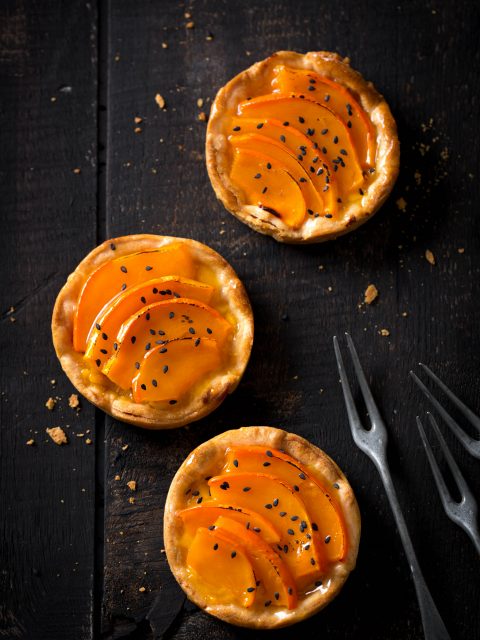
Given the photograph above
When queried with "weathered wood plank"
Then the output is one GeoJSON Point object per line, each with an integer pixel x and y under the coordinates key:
{"type": "Point", "coordinates": [47, 492]}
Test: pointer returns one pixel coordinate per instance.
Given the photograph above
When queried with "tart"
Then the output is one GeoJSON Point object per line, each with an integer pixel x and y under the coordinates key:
{"type": "Point", "coordinates": [261, 528]}
{"type": "Point", "coordinates": [301, 147]}
{"type": "Point", "coordinates": [154, 330]}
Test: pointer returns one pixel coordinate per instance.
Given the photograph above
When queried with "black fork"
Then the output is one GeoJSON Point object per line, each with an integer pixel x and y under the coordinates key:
{"type": "Point", "coordinates": [373, 443]}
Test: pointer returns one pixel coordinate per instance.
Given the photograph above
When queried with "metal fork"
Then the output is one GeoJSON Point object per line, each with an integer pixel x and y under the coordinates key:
{"type": "Point", "coordinates": [465, 512]}
{"type": "Point", "coordinates": [374, 444]}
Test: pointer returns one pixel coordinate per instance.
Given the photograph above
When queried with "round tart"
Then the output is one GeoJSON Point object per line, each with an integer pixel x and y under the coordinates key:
{"type": "Point", "coordinates": [301, 147]}
{"type": "Point", "coordinates": [261, 528]}
{"type": "Point", "coordinates": [154, 330]}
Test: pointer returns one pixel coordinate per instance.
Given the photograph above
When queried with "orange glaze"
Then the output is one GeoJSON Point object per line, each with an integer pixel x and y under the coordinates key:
{"type": "Point", "coordinates": [263, 502]}
{"type": "Point", "coordinates": [307, 148]}
{"type": "Point", "coordinates": [146, 323]}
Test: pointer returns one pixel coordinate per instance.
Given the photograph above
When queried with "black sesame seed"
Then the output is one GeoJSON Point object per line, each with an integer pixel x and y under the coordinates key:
{"type": "Point", "coordinates": [257, 176]}
{"type": "Point", "coordinates": [172, 402]}
{"type": "Point", "coordinates": [104, 351]}
{"type": "Point", "coordinates": [285, 124]}
{"type": "Point", "coordinates": [302, 179]}
{"type": "Point", "coordinates": [294, 518]}
{"type": "Point", "coordinates": [98, 362]}
{"type": "Point", "coordinates": [164, 350]}
{"type": "Point", "coordinates": [123, 287]}
{"type": "Point", "coordinates": [154, 290]}
{"type": "Point", "coordinates": [328, 215]}
{"type": "Point", "coordinates": [290, 591]}
{"type": "Point", "coordinates": [277, 595]}
{"type": "Point", "coordinates": [300, 157]}
{"type": "Point", "coordinates": [275, 502]}
{"type": "Point", "coordinates": [97, 326]}
{"type": "Point", "coordinates": [301, 120]}
{"type": "Point", "coordinates": [306, 546]}
{"type": "Point", "coordinates": [133, 339]}
{"type": "Point", "coordinates": [269, 166]}
{"type": "Point", "coordinates": [123, 269]}
{"type": "Point", "coordinates": [165, 368]}
{"type": "Point", "coordinates": [259, 125]}
{"type": "Point", "coordinates": [115, 346]}
{"type": "Point", "coordinates": [349, 124]}
{"type": "Point", "coordinates": [268, 506]}
{"type": "Point", "coordinates": [211, 527]}
{"type": "Point", "coordinates": [215, 546]}
{"type": "Point", "coordinates": [104, 336]}
{"type": "Point", "coordinates": [147, 316]}
{"type": "Point", "coordinates": [324, 149]}
{"type": "Point", "coordinates": [310, 132]}
{"type": "Point", "coordinates": [283, 513]}
{"type": "Point", "coordinates": [171, 315]}
{"type": "Point", "coordinates": [285, 548]}
{"type": "Point", "coordinates": [319, 172]}
{"type": "Point", "coordinates": [296, 487]}
{"type": "Point", "coordinates": [335, 140]}
{"type": "Point", "coordinates": [225, 486]}
{"type": "Point", "coordinates": [148, 346]}
{"type": "Point", "coordinates": [264, 190]}
{"type": "Point", "coordinates": [195, 493]}
{"type": "Point", "coordinates": [324, 132]}
{"type": "Point", "coordinates": [236, 128]}
{"type": "Point", "coordinates": [339, 200]}
{"type": "Point", "coordinates": [312, 561]}
{"type": "Point", "coordinates": [343, 152]}
{"type": "Point", "coordinates": [148, 268]}
{"type": "Point", "coordinates": [336, 485]}
{"type": "Point", "coordinates": [302, 476]}
{"type": "Point", "coordinates": [314, 526]}
{"type": "Point", "coordinates": [197, 342]}
{"type": "Point", "coordinates": [266, 464]}
{"type": "Point", "coordinates": [327, 539]}
{"type": "Point", "coordinates": [137, 365]}
{"type": "Point", "coordinates": [318, 583]}
{"type": "Point", "coordinates": [191, 330]}
{"type": "Point", "coordinates": [291, 532]}
{"type": "Point", "coordinates": [235, 463]}
{"type": "Point", "coordinates": [161, 333]}
{"type": "Point", "coordinates": [233, 554]}
{"type": "Point", "coordinates": [327, 97]}
{"type": "Point", "coordinates": [250, 589]}
{"type": "Point", "coordinates": [268, 603]}
{"type": "Point", "coordinates": [246, 488]}
{"type": "Point", "coordinates": [144, 387]}
{"type": "Point", "coordinates": [257, 529]}
{"type": "Point", "coordinates": [152, 332]}
{"type": "Point", "coordinates": [112, 246]}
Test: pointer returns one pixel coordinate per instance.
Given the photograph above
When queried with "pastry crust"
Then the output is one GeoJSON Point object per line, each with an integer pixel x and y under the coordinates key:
{"type": "Point", "coordinates": [105, 394]}
{"type": "Point", "coordinates": [251, 82]}
{"type": "Point", "coordinates": [207, 459]}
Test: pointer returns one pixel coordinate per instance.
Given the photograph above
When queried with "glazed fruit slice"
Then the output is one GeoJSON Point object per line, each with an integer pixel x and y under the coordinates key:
{"type": "Point", "coordinates": [277, 192]}
{"type": "Point", "coordinates": [156, 323]}
{"type": "Point", "coordinates": [320, 124]}
{"type": "Point", "coordinates": [102, 339]}
{"type": "Point", "coordinates": [339, 99]}
{"type": "Point", "coordinates": [211, 556]}
{"type": "Point", "coordinates": [329, 530]}
{"type": "Point", "coordinates": [116, 275]}
{"type": "Point", "coordinates": [309, 165]}
{"type": "Point", "coordinates": [283, 506]}
{"type": "Point", "coordinates": [273, 579]}
{"type": "Point", "coordinates": [169, 370]}
{"type": "Point", "coordinates": [205, 516]}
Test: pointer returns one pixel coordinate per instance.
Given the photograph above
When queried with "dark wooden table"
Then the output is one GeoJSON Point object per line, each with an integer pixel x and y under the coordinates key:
{"type": "Point", "coordinates": [74, 553]}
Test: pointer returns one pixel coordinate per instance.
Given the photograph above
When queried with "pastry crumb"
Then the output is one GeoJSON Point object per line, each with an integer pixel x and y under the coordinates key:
{"type": "Point", "coordinates": [88, 441]}
{"type": "Point", "coordinates": [429, 257]}
{"type": "Point", "coordinates": [160, 101]}
{"type": "Point", "coordinates": [131, 500]}
{"type": "Point", "coordinates": [461, 250]}
{"type": "Point", "coordinates": [73, 401]}
{"type": "Point", "coordinates": [190, 25]}
{"type": "Point", "coordinates": [132, 485]}
{"type": "Point", "coordinates": [404, 314]}
{"type": "Point", "coordinates": [117, 478]}
{"type": "Point", "coordinates": [77, 170]}
{"type": "Point", "coordinates": [30, 442]}
{"type": "Point", "coordinates": [164, 45]}
{"type": "Point", "coordinates": [125, 447]}
{"type": "Point", "coordinates": [137, 130]}
{"type": "Point", "coordinates": [138, 119]}
{"type": "Point", "coordinates": [50, 403]}
{"type": "Point", "coordinates": [80, 435]}
{"type": "Point", "coordinates": [209, 37]}
{"type": "Point", "coordinates": [142, 589]}
{"type": "Point", "coordinates": [202, 116]}
{"type": "Point", "coordinates": [384, 332]}
{"type": "Point", "coordinates": [371, 293]}
{"type": "Point", "coordinates": [418, 178]}
{"type": "Point", "coordinates": [57, 434]}
{"type": "Point", "coordinates": [200, 103]}
{"type": "Point", "coordinates": [401, 204]}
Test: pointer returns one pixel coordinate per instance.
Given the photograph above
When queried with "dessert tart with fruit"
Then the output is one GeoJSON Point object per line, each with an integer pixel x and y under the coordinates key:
{"type": "Point", "coordinates": [154, 330]}
{"type": "Point", "coordinates": [261, 528]}
{"type": "Point", "coordinates": [301, 147]}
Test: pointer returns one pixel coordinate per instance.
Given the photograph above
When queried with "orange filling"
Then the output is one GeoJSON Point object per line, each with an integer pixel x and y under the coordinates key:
{"type": "Point", "coordinates": [277, 513]}
{"type": "Point", "coordinates": [307, 148]}
{"type": "Point", "coordinates": [146, 323]}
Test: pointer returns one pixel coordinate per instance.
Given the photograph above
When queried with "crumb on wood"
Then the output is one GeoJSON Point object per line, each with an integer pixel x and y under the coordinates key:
{"type": "Point", "coordinates": [138, 130]}
{"type": "Point", "coordinates": [164, 45]}
{"type": "Point", "coordinates": [77, 170]}
{"type": "Point", "coordinates": [125, 447]}
{"type": "Point", "coordinates": [50, 403]}
{"type": "Point", "coordinates": [209, 37]}
{"type": "Point", "coordinates": [202, 116]}
{"type": "Point", "coordinates": [142, 589]}
{"type": "Point", "coordinates": [131, 500]}
{"type": "Point", "coordinates": [30, 442]}
{"type": "Point", "coordinates": [199, 103]}
{"type": "Point", "coordinates": [384, 332]}
{"type": "Point", "coordinates": [57, 434]}
{"type": "Point", "coordinates": [88, 441]}
{"type": "Point", "coordinates": [160, 101]}
{"type": "Point", "coordinates": [190, 25]}
{"type": "Point", "coordinates": [80, 435]}
{"type": "Point", "coordinates": [138, 119]}
{"type": "Point", "coordinates": [73, 401]}
{"type": "Point", "coordinates": [117, 57]}
{"type": "Point", "coordinates": [117, 478]}
{"type": "Point", "coordinates": [461, 250]}
{"type": "Point", "coordinates": [132, 485]}
{"type": "Point", "coordinates": [53, 382]}
{"type": "Point", "coordinates": [371, 293]}
{"type": "Point", "coordinates": [162, 550]}
{"type": "Point", "coordinates": [401, 204]}
{"type": "Point", "coordinates": [404, 314]}
{"type": "Point", "coordinates": [429, 257]}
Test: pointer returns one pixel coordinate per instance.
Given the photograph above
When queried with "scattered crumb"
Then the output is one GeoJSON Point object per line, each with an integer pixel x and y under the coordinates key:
{"type": "Point", "coordinates": [117, 57]}
{"type": "Point", "coordinates": [131, 500]}
{"type": "Point", "coordinates": [330, 289]}
{"type": "Point", "coordinates": [371, 293]}
{"type": "Point", "coordinates": [404, 314]}
{"type": "Point", "coordinates": [200, 103]}
{"type": "Point", "coordinates": [444, 154]}
{"type": "Point", "coordinates": [190, 25]}
{"type": "Point", "coordinates": [80, 435]}
{"type": "Point", "coordinates": [125, 447]}
{"type": "Point", "coordinates": [132, 485]}
{"type": "Point", "coordinates": [53, 99]}
{"type": "Point", "coordinates": [429, 257]}
{"type": "Point", "coordinates": [209, 38]}
{"type": "Point", "coordinates": [117, 478]}
{"type": "Point", "coordinates": [13, 319]}
{"type": "Point", "coordinates": [187, 15]}
{"type": "Point", "coordinates": [88, 441]}
{"type": "Point", "coordinates": [57, 434]}
{"type": "Point", "coordinates": [162, 550]}
{"type": "Point", "coordinates": [418, 178]}
{"type": "Point", "coordinates": [50, 403]}
{"type": "Point", "coordinates": [222, 231]}
{"type": "Point", "coordinates": [53, 382]}
{"type": "Point", "coordinates": [160, 101]}
{"type": "Point", "coordinates": [138, 119]}
{"type": "Point", "coordinates": [73, 401]}
{"type": "Point", "coordinates": [202, 116]}
{"type": "Point", "coordinates": [30, 442]}
{"type": "Point", "coordinates": [384, 332]}
{"type": "Point", "coordinates": [138, 130]}
{"type": "Point", "coordinates": [401, 204]}
{"type": "Point", "coordinates": [164, 45]}
{"type": "Point", "coordinates": [142, 589]}
{"type": "Point", "coordinates": [461, 250]}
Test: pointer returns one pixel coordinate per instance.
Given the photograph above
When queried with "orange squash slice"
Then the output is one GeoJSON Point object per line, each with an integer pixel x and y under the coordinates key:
{"type": "Point", "coordinates": [116, 275]}
{"type": "Point", "coordinates": [153, 325]}
{"type": "Point", "coordinates": [212, 555]}
{"type": "Point", "coordinates": [101, 340]}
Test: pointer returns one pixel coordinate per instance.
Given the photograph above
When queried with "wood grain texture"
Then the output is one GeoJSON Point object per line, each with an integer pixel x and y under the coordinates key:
{"type": "Point", "coordinates": [424, 58]}
{"type": "Point", "coordinates": [47, 492]}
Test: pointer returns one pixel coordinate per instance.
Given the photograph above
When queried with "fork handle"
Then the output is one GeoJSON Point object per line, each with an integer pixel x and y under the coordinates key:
{"type": "Point", "coordinates": [433, 626]}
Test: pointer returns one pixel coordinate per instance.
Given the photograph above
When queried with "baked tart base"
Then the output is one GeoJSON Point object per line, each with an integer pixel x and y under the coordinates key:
{"type": "Point", "coordinates": [189, 494]}
{"type": "Point", "coordinates": [250, 185]}
{"type": "Point", "coordinates": [230, 299]}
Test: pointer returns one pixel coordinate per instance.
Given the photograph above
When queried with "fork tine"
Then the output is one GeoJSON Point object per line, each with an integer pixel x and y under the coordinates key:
{"type": "Point", "coordinates": [456, 473]}
{"type": "Point", "coordinates": [353, 418]}
{"type": "Point", "coordinates": [373, 412]}
{"type": "Point", "coordinates": [470, 444]}
{"type": "Point", "coordinates": [439, 481]}
{"type": "Point", "coordinates": [466, 411]}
